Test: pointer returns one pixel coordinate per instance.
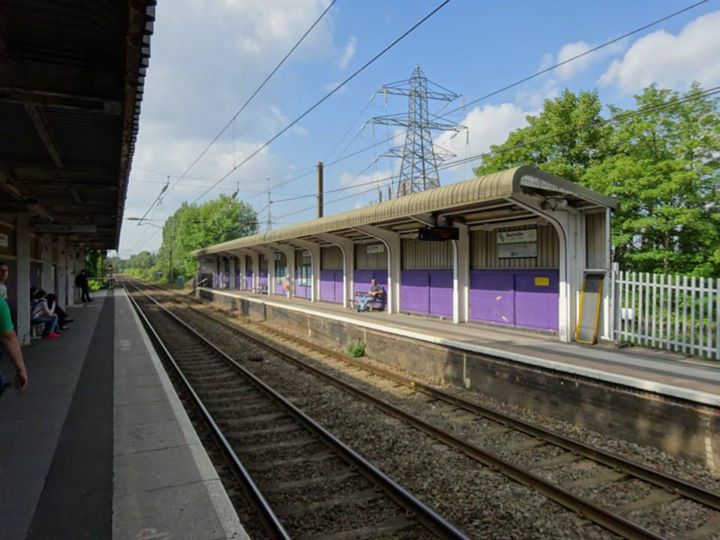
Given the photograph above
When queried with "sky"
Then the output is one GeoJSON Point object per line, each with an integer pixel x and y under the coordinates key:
{"type": "Point", "coordinates": [208, 56]}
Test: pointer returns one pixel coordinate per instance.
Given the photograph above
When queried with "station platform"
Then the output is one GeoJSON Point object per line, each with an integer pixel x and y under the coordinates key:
{"type": "Point", "coordinates": [99, 445]}
{"type": "Point", "coordinates": [640, 368]}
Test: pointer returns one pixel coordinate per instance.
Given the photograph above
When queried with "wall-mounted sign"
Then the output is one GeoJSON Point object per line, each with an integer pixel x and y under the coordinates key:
{"type": "Point", "coordinates": [541, 281]}
{"type": "Point", "coordinates": [58, 228]}
{"type": "Point", "coordinates": [513, 237]}
{"type": "Point", "coordinates": [277, 256]}
{"type": "Point", "coordinates": [517, 251]}
{"type": "Point", "coordinates": [4, 240]}
{"type": "Point", "coordinates": [375, 248]}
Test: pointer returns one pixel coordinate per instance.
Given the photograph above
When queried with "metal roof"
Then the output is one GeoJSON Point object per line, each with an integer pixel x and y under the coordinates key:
{"type": "Point", "coordinates": [71, 82]}
{"type": "Point", "coordinates": [455, 199]}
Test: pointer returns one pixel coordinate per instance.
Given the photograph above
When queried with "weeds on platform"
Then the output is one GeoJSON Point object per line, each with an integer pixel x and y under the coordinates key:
{"type": "Point", "coordinates": [355, 349]}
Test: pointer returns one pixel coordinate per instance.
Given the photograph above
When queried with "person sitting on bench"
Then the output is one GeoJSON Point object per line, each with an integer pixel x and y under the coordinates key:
{"type": "Point", "coordinates": [40, 313]}
{"type": "Point", "coordinates": [374, 293]}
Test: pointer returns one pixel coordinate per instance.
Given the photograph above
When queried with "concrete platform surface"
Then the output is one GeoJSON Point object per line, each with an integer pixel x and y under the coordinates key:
{"type": "Point", "coordinates": [99, 445]}
{"type": "Point", "coordinates": [652, 370]}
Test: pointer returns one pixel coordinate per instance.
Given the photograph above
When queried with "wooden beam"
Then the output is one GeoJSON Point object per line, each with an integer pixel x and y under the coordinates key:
{"type": "Point", "coordinates": [44, 129]}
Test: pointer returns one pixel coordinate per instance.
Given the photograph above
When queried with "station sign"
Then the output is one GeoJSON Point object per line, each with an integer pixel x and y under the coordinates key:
{"type": "Point", "coordinates": [375, 248]}
{"type": "Point", "coordinates": [58, 228]}
{"type": "Point", "coordinates": [4, 240]}
{"type": "Point", "coordinates": [513, 237]}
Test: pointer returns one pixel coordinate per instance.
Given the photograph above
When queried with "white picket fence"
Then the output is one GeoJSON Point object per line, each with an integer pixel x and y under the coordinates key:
{"type": "Point", "coordinates": [676, 313]}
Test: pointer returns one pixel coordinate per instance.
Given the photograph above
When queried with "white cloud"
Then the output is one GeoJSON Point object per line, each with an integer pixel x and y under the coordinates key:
{"type": "Point", "coordinates": [487, 125]}
{"type": "Point", "coordinates": [568, 51]}
{"type": "Point", "coordinates": [348, 53]}
{"type": "Point", "coordinates": [669, 60]}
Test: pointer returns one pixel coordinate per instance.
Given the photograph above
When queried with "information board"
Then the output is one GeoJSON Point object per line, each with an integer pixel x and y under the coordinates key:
{"type": "Point", "coordinates": [516, 251]}
{"type": "Point", "coordinates": [512, 237]}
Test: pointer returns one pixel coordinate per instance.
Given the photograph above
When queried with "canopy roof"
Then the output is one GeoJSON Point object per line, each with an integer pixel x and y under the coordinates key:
{"type": "Point", "coordinates": [470, 200]}
{"type": "Point", "coordinates": [71, 82]}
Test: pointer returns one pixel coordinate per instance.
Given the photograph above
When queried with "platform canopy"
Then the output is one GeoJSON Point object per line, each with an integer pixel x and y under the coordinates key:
{"type": "Point", "coordinates": [71, 83]}
{"type": "Point", "coordinates": [490, 199]}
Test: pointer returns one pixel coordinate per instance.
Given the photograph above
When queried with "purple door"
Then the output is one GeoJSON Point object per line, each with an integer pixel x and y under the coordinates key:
{"type": "Point", "coordinates": [536, 300]}
{"type": "Point", "coordinates": [248, 279]}
{"type": "Point", "coordinates": [492, 297]}
{"type": "Point", "coordinates": [237, 280]}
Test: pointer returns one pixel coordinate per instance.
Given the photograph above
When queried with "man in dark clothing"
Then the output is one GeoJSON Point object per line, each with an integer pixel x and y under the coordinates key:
{"type": "Point", "coordinates": [82, 281]}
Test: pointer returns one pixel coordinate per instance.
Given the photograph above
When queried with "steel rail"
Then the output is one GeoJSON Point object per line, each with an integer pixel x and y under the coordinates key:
{"type": "Point", "coordinates": [588, 509]}
{"type": "Point", "coordinates": [605, 457]}
{"type": "Point", "coordinates": [271, 522]}
{"type": "Point", "coordinates": [425, 515]}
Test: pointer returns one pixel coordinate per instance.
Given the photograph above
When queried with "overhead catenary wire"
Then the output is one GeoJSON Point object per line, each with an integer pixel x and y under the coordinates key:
{"type": "Point", "coordinates": [619, 117]}
{"type": "Point", "coordinates": [327, 96]}
{"type": "Point", "coordinates": [576, 57]}
{"type": "Point", "coordinates": [254, 94]}
{"type": "Point", "coordinates": [518, 82]}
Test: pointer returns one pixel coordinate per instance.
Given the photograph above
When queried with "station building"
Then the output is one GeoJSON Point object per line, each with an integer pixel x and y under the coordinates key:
{"type": "Point", "coordinates": [511, 249]}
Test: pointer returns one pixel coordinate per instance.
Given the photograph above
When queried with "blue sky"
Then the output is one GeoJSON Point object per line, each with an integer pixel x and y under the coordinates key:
{"type": "Point", "coordinates": [209, 55]}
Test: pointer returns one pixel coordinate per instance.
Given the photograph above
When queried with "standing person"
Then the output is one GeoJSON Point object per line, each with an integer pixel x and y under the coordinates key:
{"type": "Point", "coordinates": [10, 345]}
{"type": "Point", "coordinates": [82, 281]}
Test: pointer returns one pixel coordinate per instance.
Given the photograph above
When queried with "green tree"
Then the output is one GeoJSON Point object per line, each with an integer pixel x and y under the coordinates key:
{"type": "Point", "coordinates": [192, 227]}
{"type": "Point", "coordinates": [661, 165]}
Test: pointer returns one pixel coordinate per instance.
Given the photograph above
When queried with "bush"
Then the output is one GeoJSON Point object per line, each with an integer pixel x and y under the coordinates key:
{"type": "Point", "coordinates": [97, 284]}
{"type": "Point", "coordinates": [356, 349]}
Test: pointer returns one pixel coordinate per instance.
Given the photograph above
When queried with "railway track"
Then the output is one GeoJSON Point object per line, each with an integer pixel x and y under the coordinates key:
{"type": "Point", "coordinates": [303, 481]}
{"type": "Point", "coordinates": [507, 441]}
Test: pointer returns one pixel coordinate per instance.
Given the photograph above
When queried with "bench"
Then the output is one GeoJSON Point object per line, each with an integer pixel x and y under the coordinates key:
{"type": "Point", "coordinates": [376, 304]}
{"type": "Point", "coordinates": [37, 330]}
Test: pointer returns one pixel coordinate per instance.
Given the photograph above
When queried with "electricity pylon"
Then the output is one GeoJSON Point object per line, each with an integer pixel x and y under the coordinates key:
{"type": "Point", "coordinates": [420, 157]}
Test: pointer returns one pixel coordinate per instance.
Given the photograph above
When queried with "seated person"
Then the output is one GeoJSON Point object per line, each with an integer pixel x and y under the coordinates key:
{"type": "Point", "coordinates": [54, 306]}
{"type": "Point", "coordinates": [368, 298]}
{"type": "Point", "coordinates": [40, 313]}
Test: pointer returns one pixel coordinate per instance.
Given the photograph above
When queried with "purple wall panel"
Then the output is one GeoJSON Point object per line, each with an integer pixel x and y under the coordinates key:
{"type": "Point", "coordinates": [511, 297]}
{"type": "Point", "coordinates": [302, 291]}
{"type": "Point", "coordinates": [441, 293]}
{"type": "Point", "coordinates": [415, 291]}
{"type": "Point", "coordinates": [262, 278]}
{"type": "Point", "coordinates": [330, 284]}
{"type": "Point", "coordinates": [537, 307]}
{"type": "Point", "coordinates": [492, 297]}
{"type": "Point", "coordinates": [338, 287]}
{"type": "Point", "coordinates": [248, 279]}
{"type": "Point", "coordinates": [361, 279]}
{"type": "Point", "coordinates": [278, 286]}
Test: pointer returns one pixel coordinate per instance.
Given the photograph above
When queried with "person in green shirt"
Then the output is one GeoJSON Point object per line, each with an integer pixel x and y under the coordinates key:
{"type": "Point", "coordinates": [11, 346]}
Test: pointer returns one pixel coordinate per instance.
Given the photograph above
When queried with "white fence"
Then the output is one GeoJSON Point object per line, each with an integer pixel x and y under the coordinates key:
{"type": "Point", "coordinates": [676, 313]}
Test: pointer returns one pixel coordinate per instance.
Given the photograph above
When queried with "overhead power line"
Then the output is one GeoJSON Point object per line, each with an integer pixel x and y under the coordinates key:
{"type": "Point", "coordinates": [327, 96]}
{"type": "Point", "coordinates": [576, 57]}
{"type": "Point", "coordinates": [255, 93]}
